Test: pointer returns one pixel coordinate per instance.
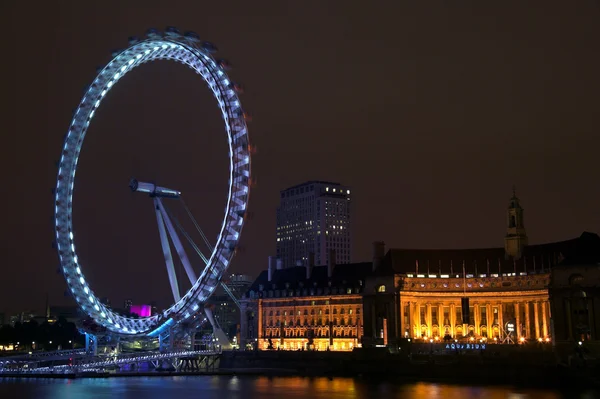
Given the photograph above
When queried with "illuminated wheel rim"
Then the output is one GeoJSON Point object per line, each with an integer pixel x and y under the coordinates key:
{"type": "Point", "coordinates": [189, 51]}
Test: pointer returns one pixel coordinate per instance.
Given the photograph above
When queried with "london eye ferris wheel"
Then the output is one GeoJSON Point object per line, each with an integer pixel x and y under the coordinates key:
{"type": "Point", "coordinates": [198, 55]}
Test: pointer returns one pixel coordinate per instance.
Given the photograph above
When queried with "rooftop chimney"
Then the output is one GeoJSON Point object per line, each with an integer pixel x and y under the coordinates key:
{"type": "Point", "coordinates": [378, 254]}
{"type": "Point", "coordinates": [272, 265]}
{"type": "Point", "coordinates": [310, 264]}
{"type": "Point", "coordinates": [331, 263]}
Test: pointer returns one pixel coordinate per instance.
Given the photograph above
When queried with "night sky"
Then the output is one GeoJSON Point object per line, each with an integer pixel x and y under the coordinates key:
{"type": "Point", "coordinates": [430, 111]}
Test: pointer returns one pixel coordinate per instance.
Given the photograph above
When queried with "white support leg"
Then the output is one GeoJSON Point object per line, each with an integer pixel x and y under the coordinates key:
{"type": "Point", "coordinates": [178, 247]}
{"type": "Point", "coordinates": [218, 333]}
{"type": "Point", "coordinates": [166, 250]}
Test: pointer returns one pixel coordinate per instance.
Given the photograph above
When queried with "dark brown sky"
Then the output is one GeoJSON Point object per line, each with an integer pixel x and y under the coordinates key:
{"type": "Point", "coordinates": [429, 112]}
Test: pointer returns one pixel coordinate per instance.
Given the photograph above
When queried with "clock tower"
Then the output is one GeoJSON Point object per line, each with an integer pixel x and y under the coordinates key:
{"type": "Point", "coordinates": [516, 236]}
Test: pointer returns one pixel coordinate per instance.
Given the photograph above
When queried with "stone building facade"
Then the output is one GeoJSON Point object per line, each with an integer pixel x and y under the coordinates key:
{"type": "Point", "coordinates": [575, 294]}
{"type": "Point", "coordinates": [306, 307]}
{"type": "Point", "coordinates": [424, 308]}
{"type": "Point", "coordinates": [419, 294]}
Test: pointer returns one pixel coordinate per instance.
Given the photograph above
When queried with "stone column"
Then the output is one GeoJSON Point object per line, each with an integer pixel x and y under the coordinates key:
{"type": "Point", "coordinates": [452, 320]}
{"type": "Point", "coordinates": [527, 321]}
{"type": "Point", "coordinates": [411, 316]}
{"type": "Point", "coordinates": [517, 320]}
{"type": "Point", "coordinates": [476, 318]}
{"type": "Point", "coordinates": [428, 317]}
{"type": "Point", "coordinates": [441, 332]}
{"type": "Point", "coordinates": [500, 321]}
{"type": "Point", "coordinates": [401, 318]}
{"type": "Point", "coordinates": [417, 319]}
{"type": "Point", "coordinates": [536, 319]}
{"type": "Point", "coordinates": [489, 314]}
{"type": "Point", "coordinates": [544, 319]}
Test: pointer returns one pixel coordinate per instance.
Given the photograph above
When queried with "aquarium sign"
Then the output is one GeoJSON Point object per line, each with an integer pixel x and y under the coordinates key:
{"type": "Point", "coordinates": [466, 346]}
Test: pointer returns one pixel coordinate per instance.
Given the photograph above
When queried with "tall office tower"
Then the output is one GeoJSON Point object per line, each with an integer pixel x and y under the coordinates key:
{"type": "Point", "coordinates": [239, 284]}
{"type": "Point", "coordinates": [314, 217]}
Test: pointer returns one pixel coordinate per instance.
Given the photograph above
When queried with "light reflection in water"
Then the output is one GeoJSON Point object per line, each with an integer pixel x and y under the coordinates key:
{"type": "Point", "coordinates": [225, 387]}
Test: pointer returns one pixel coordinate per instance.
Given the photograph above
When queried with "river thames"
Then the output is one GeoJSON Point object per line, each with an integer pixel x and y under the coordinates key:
{"type": "Point", "coordinates": [226, 387]}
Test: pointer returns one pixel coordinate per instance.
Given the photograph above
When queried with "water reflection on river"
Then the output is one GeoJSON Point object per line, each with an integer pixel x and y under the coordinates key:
{"type": "Point", "coordinates": [225, 387]}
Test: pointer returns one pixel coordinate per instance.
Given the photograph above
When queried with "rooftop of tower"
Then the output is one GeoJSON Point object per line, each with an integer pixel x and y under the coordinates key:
{"type": "Point", "coordinates": [311, 182]}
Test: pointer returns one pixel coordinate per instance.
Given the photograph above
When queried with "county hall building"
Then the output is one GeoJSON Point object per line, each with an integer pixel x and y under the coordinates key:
{"type": "Point", "coordinates": [411, 294]}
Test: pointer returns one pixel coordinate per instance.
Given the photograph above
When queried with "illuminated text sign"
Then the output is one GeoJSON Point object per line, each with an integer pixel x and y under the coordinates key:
{"type": "Point", "coordinates": [465, 346]}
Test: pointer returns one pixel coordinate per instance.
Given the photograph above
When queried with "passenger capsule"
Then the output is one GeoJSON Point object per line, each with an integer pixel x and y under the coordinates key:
{"type": "Point", "coordinates": [153, 33]}
{"type": "Point", "coordinates": [226, 65]}
{"type": "Point", "coordinates": [209, 47]}
{"type": "Point", "coordinates": [238, 88]}
{"type": "Point", "coordinates": [193, 36]}
{"type": "Point", "coordinates": [172, 31]}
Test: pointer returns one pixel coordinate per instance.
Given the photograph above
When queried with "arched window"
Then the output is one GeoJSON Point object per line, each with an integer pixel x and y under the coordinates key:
{"type": "Point", "coordinates": [381, 288]}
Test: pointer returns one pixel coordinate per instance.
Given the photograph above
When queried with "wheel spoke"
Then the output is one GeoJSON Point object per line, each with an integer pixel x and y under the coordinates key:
{"type": "Point", "coordinates": [187, 236]}
{"type": "Point", "coordinates": [210, 247]}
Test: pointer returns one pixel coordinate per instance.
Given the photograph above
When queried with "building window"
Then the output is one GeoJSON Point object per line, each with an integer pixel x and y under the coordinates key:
{"type": "Point", "coordinates": [381, 288]}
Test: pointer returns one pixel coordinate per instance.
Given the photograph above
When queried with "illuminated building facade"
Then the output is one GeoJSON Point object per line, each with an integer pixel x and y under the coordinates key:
{"type": "Point", "coordinates": [418, 294]}
{"type": "Point", "coordinates": [308, 307]}
{"type": "Point", "coordinates": [429, 307]}
{"type": "Point", "coordinates": [313, 219]}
